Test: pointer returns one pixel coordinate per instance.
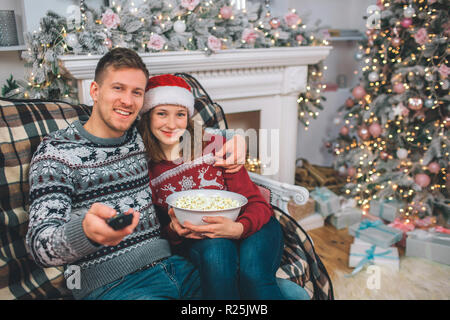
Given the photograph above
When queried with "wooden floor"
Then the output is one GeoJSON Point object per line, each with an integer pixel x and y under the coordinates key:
{"type": "Point", "coordinates": [333, 248]}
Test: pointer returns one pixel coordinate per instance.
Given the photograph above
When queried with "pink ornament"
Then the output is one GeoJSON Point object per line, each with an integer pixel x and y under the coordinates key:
{"type": "Point", "coordinates": [421, 36]}
{"type": "Point", "coordinates": [226, 12]}
{"type": "Point", "coordinates": [406, 22]}
{"type": "Point", "coordinates": [344, 131]}
{"type": "Point", "coordinates": [434, 167]}
{"type": "Point", "coordinates": [375, 129]}
{"type": "Point", "coordinates": [359, 92]}
{"type": "Point", "coordinates": [444, 71]}
{"type": "Point", "coordinates": [399, 88]}
{"type": "Point", "coordinates": [396, 42]}
{"type": "Point", "coordinates": [351, 171]}
{"type": "Point", "coordinates": [422, 180]}
{"type": "Point", "coordinates": [349, 103]}
{"type": "Point", "coordinates": [275, 23]}
{"type": "Point", "coordinates": [384, 155]}
{"type": "Point", "coordinates": [415, 103]}
{"type": "Point", "coordinates": [108, 43]}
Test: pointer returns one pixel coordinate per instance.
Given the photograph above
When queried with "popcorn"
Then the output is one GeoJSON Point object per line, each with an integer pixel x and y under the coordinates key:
{"type": "Point", "coordinates": [206, 203]}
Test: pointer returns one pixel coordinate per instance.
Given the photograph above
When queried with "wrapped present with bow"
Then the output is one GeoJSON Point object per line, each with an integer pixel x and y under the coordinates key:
{"type": "Point", "coordinates": [385, 209]}
{"type": "Point", "coordinates": [375, 232]}
{"type": "Point", "coordinates": [347, 215]}
{"type": "Point", "coordinates": [431, 245]}
{"type": "Point", "coordinates": [405, 226]}
{"type": "Point", "coordinates": [327, 202]}
{"type": "Point", "coordinates": [363, 253]}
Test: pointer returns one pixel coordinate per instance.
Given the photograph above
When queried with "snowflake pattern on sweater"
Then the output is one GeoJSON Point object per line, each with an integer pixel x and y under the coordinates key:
{"type": "Point", "coordinates": [70, 171]}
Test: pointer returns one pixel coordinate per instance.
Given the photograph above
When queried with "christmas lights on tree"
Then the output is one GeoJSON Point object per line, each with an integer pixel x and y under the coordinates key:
{"type": "Point", "coordinates": [394, 142]}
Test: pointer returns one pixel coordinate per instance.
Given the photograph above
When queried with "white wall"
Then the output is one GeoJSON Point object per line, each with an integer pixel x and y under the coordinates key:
{"type": "Point", "coordinates": [335, 14]}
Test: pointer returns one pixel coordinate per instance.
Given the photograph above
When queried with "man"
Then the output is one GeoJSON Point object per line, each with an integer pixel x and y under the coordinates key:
{"type": "Point", "coordinates": [83, 175]}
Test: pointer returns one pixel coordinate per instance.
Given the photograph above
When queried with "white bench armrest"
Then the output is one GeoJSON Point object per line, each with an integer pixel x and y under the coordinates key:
{"type": "Point", "coordinates": [281, 192]}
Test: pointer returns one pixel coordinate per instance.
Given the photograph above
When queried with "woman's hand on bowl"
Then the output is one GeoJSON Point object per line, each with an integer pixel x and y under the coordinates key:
{"type": "Point", "coordinates": [217, 227]}
{"type": "Point", "coordinates": [180, 230]}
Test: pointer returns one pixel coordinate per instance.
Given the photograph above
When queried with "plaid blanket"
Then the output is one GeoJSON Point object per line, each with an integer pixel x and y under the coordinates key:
{"type": "Point", "coordinates": [23, 124]}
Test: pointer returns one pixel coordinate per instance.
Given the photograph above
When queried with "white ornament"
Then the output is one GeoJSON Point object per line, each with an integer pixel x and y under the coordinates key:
{"type": "Point", "coordinates": [179, 26]}
{"type": "Point", "coordinates": [71, 40]}
{"type": "Point", "coordinates": [373, 76]}
{"type": "Point", "coordinates": [337, 121]}
{"type": "Point", "coordinates": [409, 12]}
{"type": "Point", "coordinates": [402, 153]}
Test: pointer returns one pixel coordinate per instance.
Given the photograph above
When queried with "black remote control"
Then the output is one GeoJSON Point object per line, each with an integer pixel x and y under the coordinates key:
{"type": "Point", "coordinates": [120, 221]}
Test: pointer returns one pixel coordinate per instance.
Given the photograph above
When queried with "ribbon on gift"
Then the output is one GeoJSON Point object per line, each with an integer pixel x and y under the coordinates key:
{"type": "Point", "coordinates": [369, 257]}
{"type": "Point", "coordinates": [366, 224]}
{"type": "Point", "coordinates": [324, 195]}
{"type": "Point", "coordinates": [441, 229]}
{"type": "Point", "coordinates": [426, 222]}
{"type": "Point", "coordinates": [382, 203]}
{"type": "Point", "coordinates": [400, 225]}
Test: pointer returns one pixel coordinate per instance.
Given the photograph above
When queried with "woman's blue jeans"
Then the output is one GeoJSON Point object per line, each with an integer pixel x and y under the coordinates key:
{"type": "Point", "coordinates": [242, 269]}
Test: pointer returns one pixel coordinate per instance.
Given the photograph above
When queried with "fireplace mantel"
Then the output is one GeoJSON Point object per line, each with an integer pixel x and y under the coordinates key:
{"type": "Point", "coordinates": [266, 80]}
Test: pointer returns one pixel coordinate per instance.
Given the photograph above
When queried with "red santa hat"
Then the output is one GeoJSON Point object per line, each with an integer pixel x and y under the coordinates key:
{"type": "Point", "coordinates": [168, 89]}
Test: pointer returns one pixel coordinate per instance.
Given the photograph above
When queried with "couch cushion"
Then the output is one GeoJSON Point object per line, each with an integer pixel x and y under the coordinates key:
{"type": "Point", "coordinates": [23, 124]}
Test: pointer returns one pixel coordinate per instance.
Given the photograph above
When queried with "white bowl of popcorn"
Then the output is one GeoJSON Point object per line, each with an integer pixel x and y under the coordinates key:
{"type": "Point", "coordinates": [193, 205]}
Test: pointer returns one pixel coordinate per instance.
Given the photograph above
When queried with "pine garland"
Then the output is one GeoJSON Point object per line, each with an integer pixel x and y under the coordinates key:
{"type": "Point", "coordinates": [156, 26]}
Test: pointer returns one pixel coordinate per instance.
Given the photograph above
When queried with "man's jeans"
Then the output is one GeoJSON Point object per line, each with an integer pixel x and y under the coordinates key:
{"type": "Point", "coordinates": [173, 278]}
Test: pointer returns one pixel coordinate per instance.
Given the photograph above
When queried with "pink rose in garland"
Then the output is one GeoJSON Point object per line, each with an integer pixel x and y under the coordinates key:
{"type": "Point", "coordinates": [156, 42]}
{"type": "Point", "coordinates": [292, 19]}
{"type": "Point", "coordinates": [214, 43]}
{"type": "Point", "coordinates": [189, 4]}
{"type": "Point", "coordinates": [249, 36]}
{"type": "Point", "coordinates": [421, 36]}
{"type": "Point", "coordinates": [110, 19]}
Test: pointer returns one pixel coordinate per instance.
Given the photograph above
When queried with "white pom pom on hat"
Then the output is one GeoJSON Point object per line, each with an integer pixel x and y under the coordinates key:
{"type": "Point", "coordinates": [167, 89]}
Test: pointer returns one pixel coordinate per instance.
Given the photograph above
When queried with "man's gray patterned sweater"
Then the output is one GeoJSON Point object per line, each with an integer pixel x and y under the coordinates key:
{"type": "Point", "coordinates": [70, 171]}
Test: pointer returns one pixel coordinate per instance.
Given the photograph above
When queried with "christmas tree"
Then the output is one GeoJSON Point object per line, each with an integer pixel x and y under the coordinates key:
{"type": "Point", "coordinates": [394, 142]}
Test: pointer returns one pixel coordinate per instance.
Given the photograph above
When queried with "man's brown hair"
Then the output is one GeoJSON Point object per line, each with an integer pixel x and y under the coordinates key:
{"type": "Point", "coordinates": [119, 58]}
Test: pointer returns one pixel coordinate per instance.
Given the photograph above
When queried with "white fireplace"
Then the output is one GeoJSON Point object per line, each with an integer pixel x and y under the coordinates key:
{"type": "Point", "coordinates": [241, 80]}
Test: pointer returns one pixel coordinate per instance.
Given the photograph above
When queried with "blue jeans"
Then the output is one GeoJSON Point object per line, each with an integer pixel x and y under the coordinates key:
{"type": "Point", "coordinates": [243, 269]}
{"type": "Point", "coordinates": [173, 278]}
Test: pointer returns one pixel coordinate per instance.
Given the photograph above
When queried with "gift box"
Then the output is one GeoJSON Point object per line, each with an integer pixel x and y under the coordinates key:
{"type": "Point", "coordinates": [314, 221]}
{"type": "Point", "coordinates": [346, 217]}
{"type": "Point", "coordinates": [362, 252]}
{"type": "Point", "coordinates": [431, 245]}
{"type": "Point", "coordinates": [301, 211]}
{"type": "Point", "coordinates": [376, 233]}
{"type": "Point", "coordinates": [327, 202]}
{"type": "Point", "coordinates": [403, 225]}
{"type": "Point", "coordinates": [385, 209]}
